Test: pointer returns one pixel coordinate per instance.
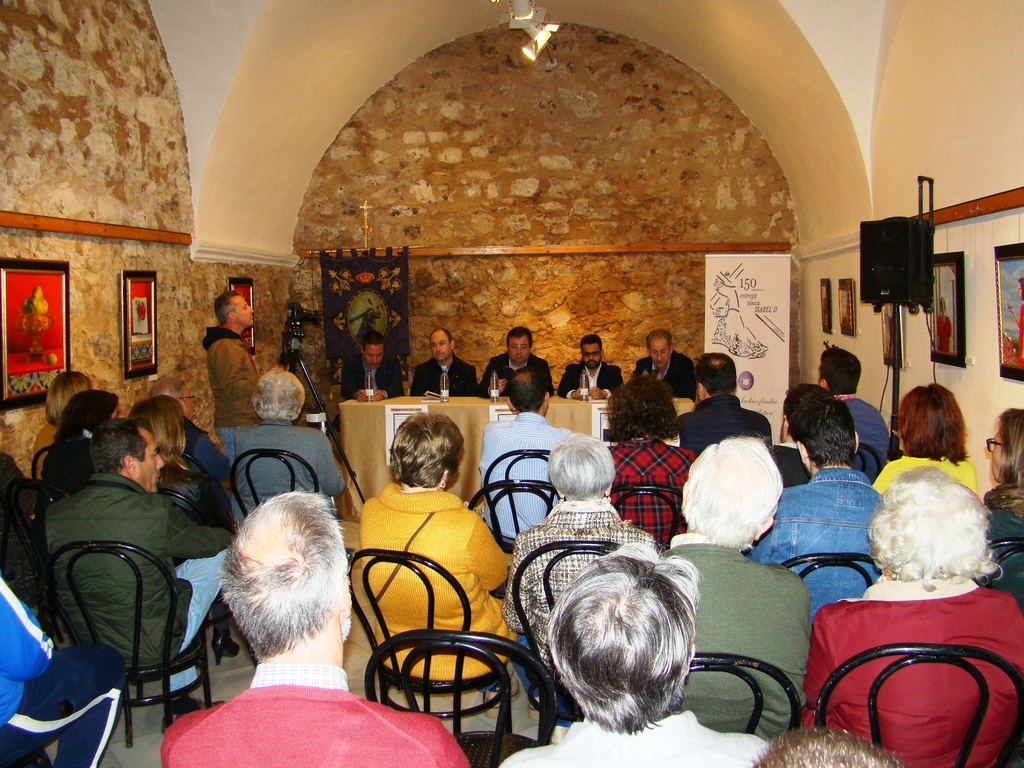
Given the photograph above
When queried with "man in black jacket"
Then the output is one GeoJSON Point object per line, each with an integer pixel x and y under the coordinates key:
{"type": "Point", "coordinates": [519, 354]}
{"type": "Point", "coordinates": [461, 375]}
{"type": "Point", "coordinates": [674, 368]}
{"type": "Point", "coordinates": [385, 369]}
{"type": "Point", "coordinates": [603, 377]}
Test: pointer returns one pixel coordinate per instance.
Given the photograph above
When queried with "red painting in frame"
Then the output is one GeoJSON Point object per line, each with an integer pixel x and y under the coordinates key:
{"type": "Point", "coordinates": [36, 328]}
{"type": "Point", "coordinates": [244, 285]}
{"type": "Point", "coordinates": [138, 324]}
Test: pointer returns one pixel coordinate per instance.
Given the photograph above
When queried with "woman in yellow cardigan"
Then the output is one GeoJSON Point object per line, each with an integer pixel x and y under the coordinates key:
{"type": "Point", "coordinates": [416, 514]}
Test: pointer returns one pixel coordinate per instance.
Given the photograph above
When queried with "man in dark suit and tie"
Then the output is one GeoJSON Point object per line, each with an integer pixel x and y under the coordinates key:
{"type": "Point", "coordinates": [519, 354]}
{"type": "Point", "coordinates": [461, 375]}
{"type": "Point", "coordinates": [385, 371]}
{"type": "Point", "coordinates": [603, 377]}
{"type": "Point", "coordinates": [674, 368]}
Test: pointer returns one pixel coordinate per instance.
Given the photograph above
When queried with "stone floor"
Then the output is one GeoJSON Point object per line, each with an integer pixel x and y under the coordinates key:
{"type": "Point", "coordinates": [233, 676]}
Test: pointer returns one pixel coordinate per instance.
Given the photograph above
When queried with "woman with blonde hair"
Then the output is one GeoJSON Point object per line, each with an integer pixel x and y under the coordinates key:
{"type": "Point", "coordinates": [66, 385]}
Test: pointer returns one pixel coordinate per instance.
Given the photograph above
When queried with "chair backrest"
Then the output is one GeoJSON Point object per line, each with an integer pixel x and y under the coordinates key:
{"type": "Point", "coordinates": [242, 471]}
{"type": "Point", "coordinates": [195, 463]}
{"type": "Point", "coordinates": [649, 506]}
{"type": "Point", "coordinates": [77, 560]}
{"type": "Point", "coordinates": [517, 500]}
{"type": "Point", "coordinates": [491, 651]}
{"type": "Point", "coordinates": [186, 505]}
{"type": "Point", "coordinates": [905, 655]}
{"type": "Point", "coordinates": [1004, 549]}
{"type": "Point", "coordinates": [501, 468]}
{"type": "Point", "coordinates": [743, 667]}
{"type": "Point", "coordinates": [554, 559]}
{"type": "Point", "coordinates": [855, 561]}
{"type": "Point", "coordinates": [37, 461]}
{"type": "Point", "coordinates": [869, 461]}
{"type": "Point", "coordinates": [389, 564]}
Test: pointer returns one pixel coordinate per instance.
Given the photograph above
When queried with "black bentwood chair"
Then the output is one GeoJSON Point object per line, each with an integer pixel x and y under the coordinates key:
{"type": "Point", "coordinates": [901, 656]}
{"type": "Point", "coordinates": [84, 563]}
{"type": "Point", "coordinates": [743, 667]}
{"type": "Point", "coordinates": [519, 496]}
{"type": "Point", "coordinates": [637, 501]}
{"type": "Point", "coordinates": [242, 469]}
{"type": "Point", "coordinates": [484, 749]}
{"type": "Point", "coordinates": [860, 563]}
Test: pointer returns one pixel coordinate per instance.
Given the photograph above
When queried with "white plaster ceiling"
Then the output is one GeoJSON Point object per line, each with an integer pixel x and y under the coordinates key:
{"type": "Point", "coordinates": [266, 86]}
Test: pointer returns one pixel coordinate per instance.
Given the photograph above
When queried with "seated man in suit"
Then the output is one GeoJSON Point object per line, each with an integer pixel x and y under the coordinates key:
{"type": "Point", "coordinates": [461, 375]}
{"type": "Point", "coordinates": [385, 372]}
{"type": "Point", "coordinates": [286, 580]}
{"type": "Point", "coordinates": [674, 368]}
{"type": "Point", "coordinates": [603, 377]}
{"type": "Point", "coordinates": [519, 355]}
{"type": "Point", "coordinates": [718, 413]}
{"type": "Point", "coordinates": [761, 611]}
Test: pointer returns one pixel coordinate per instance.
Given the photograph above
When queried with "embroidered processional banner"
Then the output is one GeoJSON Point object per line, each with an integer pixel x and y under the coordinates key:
{"type": "Point", "coordinates": [747, 318]}
{"type": "Point", "coordinates": [364, 290]}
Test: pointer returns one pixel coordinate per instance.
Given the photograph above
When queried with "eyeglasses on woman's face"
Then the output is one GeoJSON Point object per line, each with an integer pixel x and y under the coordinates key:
{"type": "Point", "coordinates": [991, 443]}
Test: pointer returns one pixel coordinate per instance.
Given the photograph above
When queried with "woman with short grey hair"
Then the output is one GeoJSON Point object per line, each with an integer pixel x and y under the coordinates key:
{"type": "Point", "coordinates": [928, 537]}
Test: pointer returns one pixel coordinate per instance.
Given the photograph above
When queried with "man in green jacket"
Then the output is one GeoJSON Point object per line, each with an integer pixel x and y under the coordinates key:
{"type": "Point", "coordinates": [120, 504]}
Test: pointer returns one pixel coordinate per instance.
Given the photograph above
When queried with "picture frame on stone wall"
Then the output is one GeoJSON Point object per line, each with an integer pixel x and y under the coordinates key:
{"type": "Point", "coordinates": [847, 307]}
{"type": "Point", "coordinates": [36, 328]}
{"type": "Point", "coordinates": [826, 305]}
{"type": "Point", "coordinates": [246, 287]}
{"type": "Point", "coordinates": [138, 324]}
{"type": "Point", "coordinates": [1010, 303]}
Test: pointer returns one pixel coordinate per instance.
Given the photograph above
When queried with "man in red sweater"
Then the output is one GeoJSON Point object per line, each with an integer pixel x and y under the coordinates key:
{"type": "Point", "coordinates": [285, 578]}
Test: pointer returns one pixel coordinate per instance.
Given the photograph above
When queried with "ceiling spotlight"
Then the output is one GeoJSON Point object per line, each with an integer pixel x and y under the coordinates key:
{"type": "Point", "coordinates": [521, 14]}
{"type": "Point", "coordinates": [540, 34]}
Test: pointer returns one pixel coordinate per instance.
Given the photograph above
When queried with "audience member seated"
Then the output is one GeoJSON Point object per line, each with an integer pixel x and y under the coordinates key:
{"type": "Point", "coordinates": [40, 687]}
{"type": "Point", "coordinates": [746, 608]}
{"type": "Point", "coordinates": [641, 418]}
{"type": "Point", "coordinates": [384, 371]}
{"type": "Point", "coordinates": [461, 375]}
{"type": "Point", "coordinates": [825, 748]}
{"type": "Point", "coordinates": [416, 514]}
{"type": "Point", "coordinates": [602, 377]}
{"type": "Point", "coordinates": [278, 401]}
{"type": "Point", "coordinates": [928, 537]}
{"type": "Point", "coordinates": [933, 433]}
{"type": "Point", "coordinates": [67, 464]}
{"type": "Point", "coordinates": [528, 398]}
{"type": "Point", "coordinates": [1006, 500]}
{"type": "Point", "coordinates": [65, 385]}
{"type": "Point", "coordinates": [830, 513]}
{"type": "Point", "coordinates": [665, 364]}
{"type": "Point", "coordinates": [197, 441]}
{"type": "Point", "coordinates": [121, 504]}
{"type": "Point", "coordinates": [286, 579]}
{"type": "Point", "coordinates": [518, 355]}
{"type": "Point", "coordinates": [787, 457]}
{"type": "Point", "coordinates": [839, 373]}
{"type": "Point", "coordinates": [581, 471]}
{"type": "Point", "coordinates": [718, 413]}
{"type": "Point", "coordinates": [622, 637]}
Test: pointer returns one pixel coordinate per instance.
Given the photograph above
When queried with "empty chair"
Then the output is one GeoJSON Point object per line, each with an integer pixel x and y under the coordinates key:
{"type": "Point", "coordinates": [753, 672]}
{"type": "Point", "coordinates": [480, 650]}
{"type": "Point", "coordinates": [980, 700]}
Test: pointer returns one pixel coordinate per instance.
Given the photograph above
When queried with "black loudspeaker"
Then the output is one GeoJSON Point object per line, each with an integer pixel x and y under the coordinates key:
{"type": "Point", "coordinates": [896, 257]}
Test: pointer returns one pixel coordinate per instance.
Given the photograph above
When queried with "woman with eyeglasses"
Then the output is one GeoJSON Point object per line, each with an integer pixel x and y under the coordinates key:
{"type": "Point", "coordinates": [1006, 500]}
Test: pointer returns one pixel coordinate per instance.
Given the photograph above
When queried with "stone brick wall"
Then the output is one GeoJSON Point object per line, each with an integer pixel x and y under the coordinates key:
{"type": "Point", "coordinates": [92, 129]}
{"type": "Point", "coordinates": [618, 143]}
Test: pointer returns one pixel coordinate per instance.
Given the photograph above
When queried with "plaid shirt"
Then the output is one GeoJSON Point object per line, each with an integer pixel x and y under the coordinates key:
{"type": "Point", "coordinates": [650, 461]}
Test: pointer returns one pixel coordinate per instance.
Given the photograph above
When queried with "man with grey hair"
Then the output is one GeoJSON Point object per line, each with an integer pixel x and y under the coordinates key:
{"type": "Point", "coordinates": [278, 401]}
{"type": "Point", "coordinates": [761, 611]}
{"type": "Point", "coordinates": [621, 637]}
{"type": "Point", "coordinates": [285, 578]}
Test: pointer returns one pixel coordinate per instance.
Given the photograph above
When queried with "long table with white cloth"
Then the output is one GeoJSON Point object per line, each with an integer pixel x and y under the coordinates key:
{"type": "Point", "coordinates": [366, 428]}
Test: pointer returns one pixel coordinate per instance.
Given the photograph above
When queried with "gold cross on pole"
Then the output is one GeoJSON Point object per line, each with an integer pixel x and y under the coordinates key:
{"type": "Point", "coordinates": [366, 229]}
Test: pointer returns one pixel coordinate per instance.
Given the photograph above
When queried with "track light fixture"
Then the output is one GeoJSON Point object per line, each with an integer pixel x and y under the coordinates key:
{"type": "Point", "coordinates": [521, 14]}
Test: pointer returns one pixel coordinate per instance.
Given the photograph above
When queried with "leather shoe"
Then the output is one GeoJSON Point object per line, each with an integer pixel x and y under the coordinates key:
{"type": "Point", "coordinates": [223, 645]}
{"type": "Point", "coordinates": [182, 705]}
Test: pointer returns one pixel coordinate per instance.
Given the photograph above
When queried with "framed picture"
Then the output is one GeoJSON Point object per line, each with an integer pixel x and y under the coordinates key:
{"type": "Point", "coordinates": [1010, 295]}
{"type": "Point", "coordinates": [847, 307]}
{"type": "Point", "coordinates": [138, 323]}
{"type": "Point", "coordinates": [826, 305]}
{"type": "Point", "coordinates": [949, 339]}
{"type": "Point", "coordinates": [244, 286]}
{"type": "Point", "coordinates": [887, 336]}
{"type": "Point", "coordinates": [36, 328]}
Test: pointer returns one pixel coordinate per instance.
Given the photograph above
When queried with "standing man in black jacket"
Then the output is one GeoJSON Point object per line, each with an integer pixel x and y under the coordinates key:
{"type": "Point", "coordinates": [461, 375]}
{"type": "Point", "coordinates": [603, 377]}
{"type": "Point", "coordinates": [674, 368]}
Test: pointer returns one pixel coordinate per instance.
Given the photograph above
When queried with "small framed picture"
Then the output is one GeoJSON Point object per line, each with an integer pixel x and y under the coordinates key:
{"type": "Point", "coordinates": [949, 336]}
{"type": "Point", "coordinates": [826, 305]}
{"type": "Point", "coordinates": [139, 323]}
{"type": "Point", "coordinates": [36, 328]}
{"type": "Point", "coordinates": [1010, 294]}
{"type": "Point", "coordinates": [244, 285]}
{"type": "Point", "coordinates": [847, 307]}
